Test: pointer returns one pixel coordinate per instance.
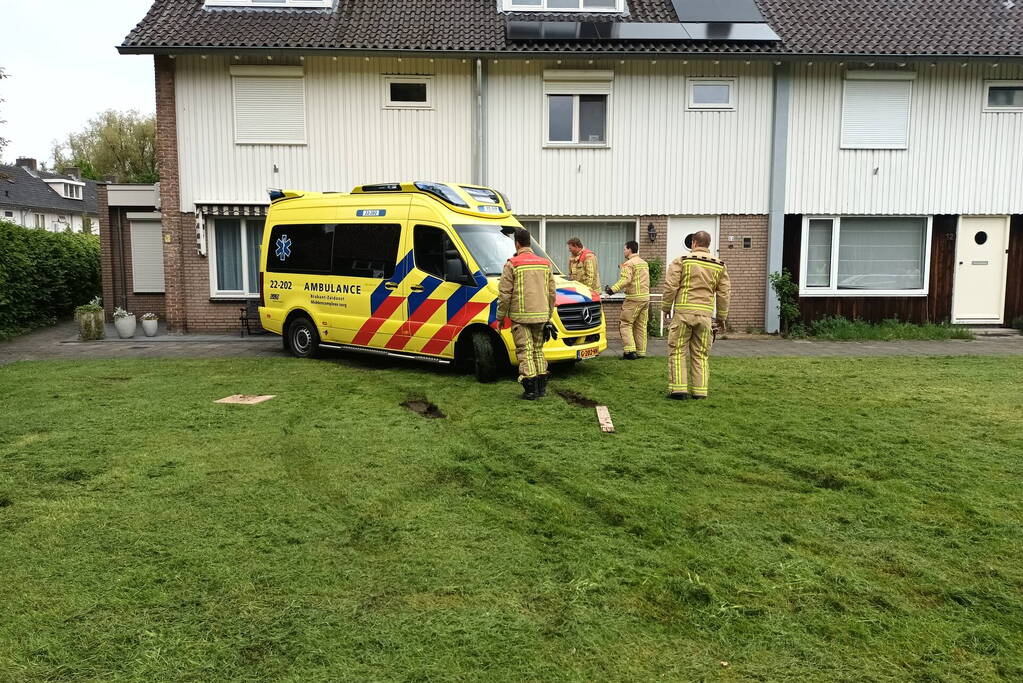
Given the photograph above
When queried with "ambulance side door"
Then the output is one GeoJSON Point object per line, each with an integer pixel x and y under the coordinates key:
{"type": "Point", "coordinates": [369, 269]}
{"type": "Point", "coordinates": [440, 287]}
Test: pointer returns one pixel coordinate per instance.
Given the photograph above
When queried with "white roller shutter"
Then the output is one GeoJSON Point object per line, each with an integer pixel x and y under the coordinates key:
{"type": "Point", "coordinates": [269, 106]}
{"type": "Point", "coordinates": [875, 114]}
{"type": "Point", "coordinates": [146, 256]}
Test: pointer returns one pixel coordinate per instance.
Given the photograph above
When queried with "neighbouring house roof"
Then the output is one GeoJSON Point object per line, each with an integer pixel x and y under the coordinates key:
{"type": "Point", "coordinates": [951, 28]}
{"type": "Point", "coordinates": [19, 188]}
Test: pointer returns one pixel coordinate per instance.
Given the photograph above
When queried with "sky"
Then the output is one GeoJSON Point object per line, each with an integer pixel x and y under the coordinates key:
{"type": "Point", "coordinates": [64, 69]}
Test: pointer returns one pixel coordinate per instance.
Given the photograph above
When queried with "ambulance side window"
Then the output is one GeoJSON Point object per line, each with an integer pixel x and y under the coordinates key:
{"type": "Point", "coordinates": [366, 250]}
{"type": "Point", "coordinates": [437, 255]}
{"type": "Point", "coordinates": [300, 249]}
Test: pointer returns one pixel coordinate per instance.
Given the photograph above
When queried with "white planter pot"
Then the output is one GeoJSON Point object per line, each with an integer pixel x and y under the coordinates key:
{"type": "Point", "coordinates": [149, 327]}
{"type": "Point", "coordinates": [125, 327]}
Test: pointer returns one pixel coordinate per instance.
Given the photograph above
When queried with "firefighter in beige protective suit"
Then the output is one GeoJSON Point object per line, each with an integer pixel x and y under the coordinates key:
{"type": "Point", "coordinates": [582, 265]}
{"type": "Point", "coordinates": [526, 297]}
{"type": "Point", "coordinates": [634, 280]}
{"type": "Point", "coordinates": [691, 285]}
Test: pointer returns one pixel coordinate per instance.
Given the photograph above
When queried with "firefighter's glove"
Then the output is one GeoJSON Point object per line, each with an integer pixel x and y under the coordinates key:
{"type": "Point", "coordinates": [549, 332]}
{"type": "Point", "coordinates": [608, 290]}
{"type": "Point", "coordinates": [502, 324]}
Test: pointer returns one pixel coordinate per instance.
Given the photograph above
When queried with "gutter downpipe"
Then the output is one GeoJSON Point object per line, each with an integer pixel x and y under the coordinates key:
{"type": "Point", "coordinates": [776, 200]}
{"type": "Point", "coordinates": [479, 142]}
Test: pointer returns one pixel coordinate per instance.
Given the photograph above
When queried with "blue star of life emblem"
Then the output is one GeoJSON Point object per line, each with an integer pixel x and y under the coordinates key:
{"type": "Point", "coordinates": [283, 247]}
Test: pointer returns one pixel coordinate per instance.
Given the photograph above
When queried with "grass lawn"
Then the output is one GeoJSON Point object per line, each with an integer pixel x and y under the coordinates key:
{"type": "Point", "coordinates": [816, 519]}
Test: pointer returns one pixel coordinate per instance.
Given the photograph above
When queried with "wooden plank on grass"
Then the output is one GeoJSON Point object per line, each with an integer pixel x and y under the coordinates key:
{"type": "Point", "coordinates": [604, 417]}
{"type": "Point", "coordinates": [243, 399]}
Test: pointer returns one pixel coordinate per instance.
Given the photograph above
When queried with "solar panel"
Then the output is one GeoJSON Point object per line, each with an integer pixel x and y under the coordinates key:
{"type": "Point", "coordinates": [594, 31]}
{"type": "Point", "coordinates": [714, 11]}
{"type": "Point", "coordinates": [728, 31]}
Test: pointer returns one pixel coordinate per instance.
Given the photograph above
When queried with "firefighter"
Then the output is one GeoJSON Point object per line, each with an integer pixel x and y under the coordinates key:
{"type": "Point", "coordinates": [692, 284]}
{"type": "Point", "coordinates": [634, 280]}
{"type": "Point", "coordinates": [582, 265]}
{"type": "Point", "coordinates": [527, 294]}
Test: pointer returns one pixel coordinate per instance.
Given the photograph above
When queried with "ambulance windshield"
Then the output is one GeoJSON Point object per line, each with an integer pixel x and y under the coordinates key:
{"type": "Point", "coordinates": [492, 245]}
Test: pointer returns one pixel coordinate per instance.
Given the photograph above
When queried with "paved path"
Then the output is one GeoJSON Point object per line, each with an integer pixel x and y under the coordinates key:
{"type": "Point", "coordinates": [58, 343]}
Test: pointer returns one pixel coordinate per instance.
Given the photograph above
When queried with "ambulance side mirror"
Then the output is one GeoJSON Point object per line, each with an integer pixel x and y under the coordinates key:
{"type": "Point", "coordinates": [455, 270]}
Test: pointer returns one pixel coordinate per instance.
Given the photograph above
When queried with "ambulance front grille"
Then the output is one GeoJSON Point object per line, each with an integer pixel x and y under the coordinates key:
{"type": "Point", "coordinates": [584, 316]}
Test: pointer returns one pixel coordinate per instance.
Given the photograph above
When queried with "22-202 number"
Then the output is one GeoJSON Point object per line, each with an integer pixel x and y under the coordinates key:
{"type": "Point", "coordinates": [280, 284]}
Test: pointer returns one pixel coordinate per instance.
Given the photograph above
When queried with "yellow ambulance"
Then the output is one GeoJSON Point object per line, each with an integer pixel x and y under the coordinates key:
{"type": "Point", "coordinates": [405, 269]}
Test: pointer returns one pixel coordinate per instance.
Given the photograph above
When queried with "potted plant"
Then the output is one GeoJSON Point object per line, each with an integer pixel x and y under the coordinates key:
{"type": "Point", "coordinates": [149, 322]}
{"type": "Point", "coordinates": [124, 322]}
{"type": "Point", "coordinates": [90, 320]}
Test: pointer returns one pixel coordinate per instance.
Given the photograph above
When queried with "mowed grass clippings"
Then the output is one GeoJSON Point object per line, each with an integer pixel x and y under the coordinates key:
{"type": "Point", "coordinates": [816, 519]}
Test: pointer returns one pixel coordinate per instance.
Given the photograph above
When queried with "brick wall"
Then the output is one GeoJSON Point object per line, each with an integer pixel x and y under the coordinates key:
{"type": "Point", "coordinates": [747, 269]}
{"type": "Point", "coordinates": [116, 263]}
{"type": "Point", "coordinates": [175, 237]}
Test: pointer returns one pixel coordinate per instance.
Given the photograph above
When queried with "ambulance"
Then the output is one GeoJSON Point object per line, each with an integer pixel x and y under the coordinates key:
{"type": "Point", "coordinates": [406, 269]}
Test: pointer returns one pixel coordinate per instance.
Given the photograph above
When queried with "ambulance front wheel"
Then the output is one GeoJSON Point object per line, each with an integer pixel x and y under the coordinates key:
{"type": "Point", "coordinates": [484, 357]}
{"type": "Point", "coordinates": [303, 339]}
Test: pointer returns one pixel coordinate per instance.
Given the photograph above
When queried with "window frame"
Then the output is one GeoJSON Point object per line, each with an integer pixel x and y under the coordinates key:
{"type": "Point", "coordinates": [542, 239]}
{"type": "Point", "coordinates": [510, 6]}
{"type": "Point", "coordinates": [575, 142]}
{"type": "Point", "coordinates": [40, 220]}
{"type": "Point", "coordinates": [282, 72]}
{"type": "Point", "coordinates": [832, 289]}
{"type": "Point", "coordinates": [731, 105]}
{"type": "Point", "coordinates": [987, 97]}
{"type": "Point", "coordinates": [316, 4]}
{"type": "Point", "coordinates": [890, 76]}
{"type": "Point", "coordinates": [576, 83]}
{"type": "Point", "coordinates": [426, 80]}
{"type": "Point", "coordinates": [149, 219]}
{"type": "Point", "coordinates": [211, 241]}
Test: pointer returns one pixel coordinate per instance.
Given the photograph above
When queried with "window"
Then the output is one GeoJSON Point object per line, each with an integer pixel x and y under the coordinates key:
{"type": "Point", "coordinates": [301, 249]}
{"type": "Point", "coordinates": [234, 260]}
{"type": "Point", "coordinates": [40, 220]}
{"type": "Point", "coordinates": [269, 3]}
{"type": "Point", "coordinates": [9, 214]}
{"type": "Point", "coordinates": [577, 107]}
{"type": "Point", "coordinates": [407, 92]}
{"type": "Point", "coordinates": [861, 256]}
{"type": "Point", "coordinates": [269, 105]}
{"type": "Point", "coordinates": [437, 255]}
{"type": "Point", "coordinates": [716, 94]}
{"type": "Point", "coordinates": [146, 255]}
{"type": "Point", "coordinates": [491, 246]}
{"type": "Point", "coordinates": [72, 191]}
{"type": "Point", "coordinates": [875, 109]}
{"type": "Point", "coordinates": [366, 250]}
{"type": "Point", "coordinates": [604, 238]}
{"type": "Point", "coordinates": [1003, 96]}
{"type": "Point", "coordinates": [564, 5]}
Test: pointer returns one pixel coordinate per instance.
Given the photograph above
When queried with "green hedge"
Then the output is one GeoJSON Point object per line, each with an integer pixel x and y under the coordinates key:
{"type": "Point", "coordinates": [44, 275]}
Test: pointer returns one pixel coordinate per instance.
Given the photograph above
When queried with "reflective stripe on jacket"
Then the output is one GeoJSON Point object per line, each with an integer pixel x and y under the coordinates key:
{"type": "Point", "coordinates": [634, 279]}
{"type": "Point", "coordinates": [694, 281]}
{"type": "Point", "coordinates": [527, 290]}
{"type": "Point", "coordinates": [583, 268]}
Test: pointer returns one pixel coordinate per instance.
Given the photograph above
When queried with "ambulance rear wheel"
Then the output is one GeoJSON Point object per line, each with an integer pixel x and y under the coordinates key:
{"type": "Point", "coordinates": [484, 357]}
{"type": "Point", "coordinates": [303, 339]}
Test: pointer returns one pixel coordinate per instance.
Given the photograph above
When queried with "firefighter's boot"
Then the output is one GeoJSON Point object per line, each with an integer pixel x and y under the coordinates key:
{"type": "Point", "coordinates": [529, 388]}
{"type": "Point", "coordinates": [541, 385]}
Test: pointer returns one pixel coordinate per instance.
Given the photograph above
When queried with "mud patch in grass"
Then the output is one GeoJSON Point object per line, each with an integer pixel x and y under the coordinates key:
{"type": "Point", "coordinates": [420, 406]}
{"type": "Point", "coordinates": [577, 399]}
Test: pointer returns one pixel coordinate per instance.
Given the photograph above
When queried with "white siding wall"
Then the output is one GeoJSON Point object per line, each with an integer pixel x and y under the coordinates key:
{"type": "Point", "coordinates": [960, 159]}
{"type": "Point", "coordinates": [662, 159]}
{"type": "Point", "coordinates": [352, 139]}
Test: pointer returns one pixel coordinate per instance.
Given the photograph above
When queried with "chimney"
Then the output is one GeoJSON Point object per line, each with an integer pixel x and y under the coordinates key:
{"type": "Point", "coordinates": [27, 163]}
{"type": "Point", "coordinates": [74, 172]}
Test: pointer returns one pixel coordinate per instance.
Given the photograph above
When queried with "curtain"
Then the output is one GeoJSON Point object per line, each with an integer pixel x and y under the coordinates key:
{"type": "Point", "coordinates": [818, 254]}
{"type": "Point", "coordinates": [881, 253]}
{"type": "Point", "coordinates": [604, 238]}
{"type": "Point", "coordinates": [229, 254]}
{"type": "Point", "coordinates": [254, 235]}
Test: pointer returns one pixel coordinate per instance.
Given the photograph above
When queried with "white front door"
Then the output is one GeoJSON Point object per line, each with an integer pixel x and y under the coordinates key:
{"type": "Point", "coordinates": [681, 230]}
{"type": "Point", "coordinates": [978, 295]}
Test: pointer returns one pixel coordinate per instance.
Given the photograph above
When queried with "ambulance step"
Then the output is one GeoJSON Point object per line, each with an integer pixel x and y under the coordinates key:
{"type": "Point", "coordinates": [381, 352]}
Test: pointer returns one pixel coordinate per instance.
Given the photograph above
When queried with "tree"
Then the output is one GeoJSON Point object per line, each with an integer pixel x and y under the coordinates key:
{"type": "Point", "coordinates": [3, 141]}
{"type": "Point", "coordinates": [121, 145]}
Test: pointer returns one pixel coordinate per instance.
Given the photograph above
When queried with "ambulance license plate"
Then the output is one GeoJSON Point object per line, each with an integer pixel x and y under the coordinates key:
{"type": "Point", "coordinates": [583, 354]}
